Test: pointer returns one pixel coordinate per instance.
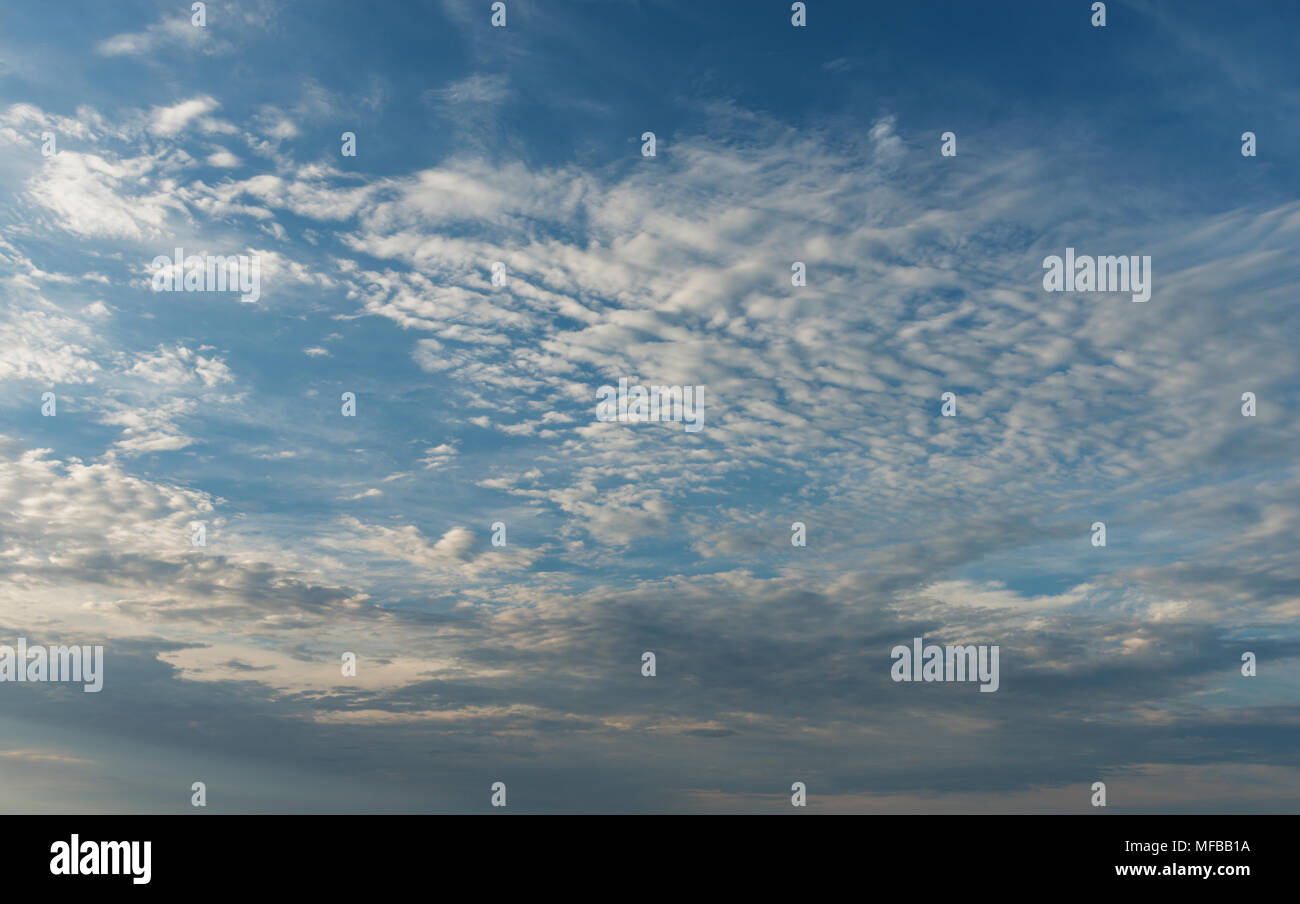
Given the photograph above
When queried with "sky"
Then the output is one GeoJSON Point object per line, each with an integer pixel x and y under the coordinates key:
{"type": "Point", "coordinates": [475, 404]}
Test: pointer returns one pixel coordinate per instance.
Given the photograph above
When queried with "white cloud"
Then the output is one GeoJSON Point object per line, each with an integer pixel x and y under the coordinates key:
{"type": "Point", "coordinates": [223, 158]}
{"type": "Point", "coordinates": [92, 196]}
{"type": "Point", "coordinates": [169, 121]}
{"type": "Point", "coordinates": [167, 35]}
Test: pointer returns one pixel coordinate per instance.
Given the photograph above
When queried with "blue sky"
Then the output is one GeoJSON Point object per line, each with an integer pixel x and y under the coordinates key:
{"type": "Point", "coordinates": [476, 404]}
